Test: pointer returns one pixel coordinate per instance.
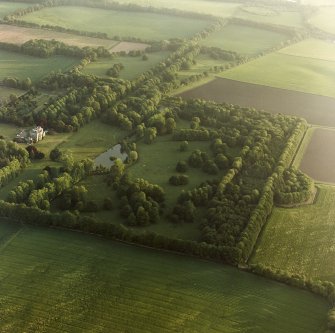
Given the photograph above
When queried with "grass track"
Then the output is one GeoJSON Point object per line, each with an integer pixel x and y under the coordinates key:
{"type": "Point", "coordinates": [57, 281]}
{"type": "Point", "coordinates": [118, 23]}
{"type": "Point", "coordinates": [23, 66]}
{"type": "Point", "coordinates": [302, 240]}
{"type": "Point", "coordinates": [243, 39]}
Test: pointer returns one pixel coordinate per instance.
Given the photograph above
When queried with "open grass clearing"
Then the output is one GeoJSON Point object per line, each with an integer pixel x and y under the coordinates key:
{"type": "Point", "coordinates": [271, 15]}
{"type": "Point", "coordinates": [302, 240]}
{"type": "Point", "coordinates": [288, 72]}
{"type": "Point", "coordinates": [59, 281]}
{"type": "Point", "coordinates": [20, 35]}
{"type": "Point", "coordinates": [312, 48]}
{"type": "Point", "coordinates": [244, 39]}
{"type": "Point", "coordinates": [118, 23]}
{"type": "Point", "coordinates": [319, 158]}
{"type": "Point", "coordinates": [157, 163]}
{"type": "Point", "coordinates": [133, 66]}
{"type": "Point", "coordinates": [216, 8]}
{"type": "Point", "coordinates": [5, 92]}
{"type": "Point", "coordinates": [8, 7]}
{"type": "Point", "coordinates": [8, 131]}
{"type": "Point", "coordinates": [23, 66]}
{"type": "Point", "coordinates": [316, 109]}
{"type": "Point", "coordinates": [91, 140]}
{"type": "Point", "coordinates": [324, 18]}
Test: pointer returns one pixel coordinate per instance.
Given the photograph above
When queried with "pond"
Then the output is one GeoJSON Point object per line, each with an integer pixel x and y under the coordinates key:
{"type": "Point", "coordinates": [104, 159]}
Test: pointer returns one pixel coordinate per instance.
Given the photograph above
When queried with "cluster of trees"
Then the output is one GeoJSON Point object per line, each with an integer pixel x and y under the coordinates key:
{"type": "Point", "coordinates": [178, 180]}
{"type": "Point", "coordinates": [34, 153]}
{"type": "Point", "coordinates": [46, 48]}
{"type": "Point", "coordinates": [219, 54]}
{"type": "Point", "coordinates": [13, 159]}
{"type": "Point", "coordinates": [50, 184]}
{"type": "Point", "coordinates": [115, 70]}
{"type": "Point", "coordinates": [293, 187]}
{"type": "Point", "coordinates": [140, 201]}
{"type": "Point", "coordinates": [14, 82]}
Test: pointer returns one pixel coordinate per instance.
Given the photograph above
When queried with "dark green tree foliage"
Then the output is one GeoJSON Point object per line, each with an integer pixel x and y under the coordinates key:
{"type": "Point", "coordinates": [178, 180]}
{"type": "Point", "coordinates": [293, 187]}
{"type": "Point", "coordinates": [115, 70]}
{"type": "Point", "coordinates": [141, 202]}
{"type": "Point", "coordinates": [13, 159]}
{"type": "Point", "coordinates": [181, 166]}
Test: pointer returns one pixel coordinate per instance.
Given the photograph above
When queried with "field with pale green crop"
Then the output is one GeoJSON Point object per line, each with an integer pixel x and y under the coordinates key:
{"type": "Point", "coordinates": [244, 39]}
{"type": "Point", "coordinates": [285, 71]}
{"type": "Point", "coordinates": [59, 281]}
{"type": "Point", "coordinates": [302, 240]}
{"type": "Point", "coordinates": [324, 19]}
{"type": "Point", "coordinates": [147, 26]}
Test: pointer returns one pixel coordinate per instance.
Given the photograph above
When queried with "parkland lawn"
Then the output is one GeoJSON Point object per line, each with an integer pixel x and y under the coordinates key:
{"type": "Point", "coordinates": [147, 26]}
{"type": "Point", "coordinates": [133, 66]}
{"type": "Point", "coordinates": [7, 7]}
{"type": "Point", "coordinates": [59, 281]}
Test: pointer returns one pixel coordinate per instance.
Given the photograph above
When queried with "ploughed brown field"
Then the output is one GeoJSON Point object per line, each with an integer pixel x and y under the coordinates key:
{"type": "Point", "coordinates": [319, 110]}
{"type": "Point", "coordinates": [319, 159]}
{"type": "Point", "coordinates": [20, 35]}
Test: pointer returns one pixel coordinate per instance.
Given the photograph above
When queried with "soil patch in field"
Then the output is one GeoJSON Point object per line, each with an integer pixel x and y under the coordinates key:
{"type": "Point", "coordinates": [128, 46]}
{"type": "Point", "coordinates": [20, 35]}
{"type": "Point", "coordinates": [319, 159]}
{"type": "Point", "coordinates": [319, 110]}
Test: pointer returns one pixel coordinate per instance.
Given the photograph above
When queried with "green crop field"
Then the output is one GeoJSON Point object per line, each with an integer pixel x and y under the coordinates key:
{"type": "Point", "coordinates": [221, 9]}
{"type": "Point", "coordinates": [133, 66]}
{"type": "Point", "coordinates": [58, 281]}
{"type": "Point", "coordinates": [23, 66]}
{"type": "Point", "coordinates": [270, 15]}
{"type": "Point", "coordinates": [119, 23]}
{"type": "Point", "coordinates": [302, 240]}
{"type": "Point", "coordinates": [7, 7]}
{"type": "Point", "coordinates": [244, 39]}
{"type": "Point", "coordinates": [324, 19]}
{"type": "Point", "coordinates": [288, 72]}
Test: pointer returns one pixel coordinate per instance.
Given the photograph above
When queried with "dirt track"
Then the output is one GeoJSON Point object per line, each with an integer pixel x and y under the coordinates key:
{"type": "Point", "coordinates": [319, 159]}
{"type": "Point", "coordinates": [319, 110]}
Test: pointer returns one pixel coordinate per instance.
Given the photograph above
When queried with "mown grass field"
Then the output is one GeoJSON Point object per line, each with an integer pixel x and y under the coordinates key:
{"type": "Point", "coordinates": [23, 66]}
{"type": "Point", "coordinates": [91, 140]}
{"type": "Point", "coordinates": [244, 39]}
{"type": "Point", "coordinates": [288, 72]}
{"type": "Point", "coordinates": [8, 131]}
{"type": "Point", "coordinates": [324, 19]}
{"type": "Point", "coordinates": [221, 9]}
{"type": "Point", "coordinates": [119, 23]}
{"type": "Point", "coordinates": [270, 15]}
{"type": "Point", "coordinates": [58, 281]}
{"type": "Point", "coordinates": [7, 7]}
{"type": "Point", "coordinates": [302, 240]}
{"type": "Point", "coordinates": [133, 66]}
